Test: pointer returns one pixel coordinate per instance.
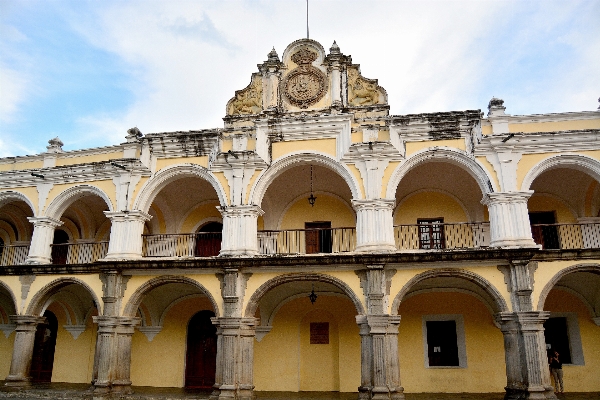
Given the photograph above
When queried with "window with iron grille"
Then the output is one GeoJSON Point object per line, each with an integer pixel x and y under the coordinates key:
{"type": "Point", "coordinates": [431, 233]}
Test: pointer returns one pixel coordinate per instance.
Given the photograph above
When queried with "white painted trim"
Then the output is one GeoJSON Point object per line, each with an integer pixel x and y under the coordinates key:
{"type": "Point", "coordinates": [580, 162]}
{"type": "Point", "coordinates": [460, 338]}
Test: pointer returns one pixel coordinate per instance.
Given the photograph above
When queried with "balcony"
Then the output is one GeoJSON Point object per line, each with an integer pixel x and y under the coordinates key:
{"type": "Point", "coordinates": [567, 236]}
{"type": "Point", "coordinates": [13, 255]}
{"type": "Point", "coordinates": [78, 253]}
{"type": "Point", "coordinates": [202, 244]}
{"type": "Point", "coordinates": [439, 235]}
{"type": "Point", "coordinates": [307, 241]}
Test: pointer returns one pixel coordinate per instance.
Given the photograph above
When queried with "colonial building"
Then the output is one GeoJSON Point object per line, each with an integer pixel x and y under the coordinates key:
{"type": "Point", "coordinates": [314, 243]}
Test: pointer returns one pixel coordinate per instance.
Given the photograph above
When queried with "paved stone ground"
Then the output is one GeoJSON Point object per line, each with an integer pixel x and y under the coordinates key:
{"type": "Point", "coordinates": [65, 391]}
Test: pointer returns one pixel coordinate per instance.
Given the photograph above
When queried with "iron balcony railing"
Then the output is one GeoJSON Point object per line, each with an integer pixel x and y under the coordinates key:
{"type": "Point", "coordinates": [78, 253]}
{"type": "Point", "coordinates": [567, 236]}
{"type": "Point", "coordinates": [437, 235]}
{"type": "Point", "coordinates": [202, 244]}
{"type": "Point", "coordinates": [13, 255]}
{"type": "Point", "coordinates": [307, 241]}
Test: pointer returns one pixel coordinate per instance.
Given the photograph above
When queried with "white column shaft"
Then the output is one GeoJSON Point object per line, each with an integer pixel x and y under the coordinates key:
{"type": "Point", "coordinates": [126, 234]}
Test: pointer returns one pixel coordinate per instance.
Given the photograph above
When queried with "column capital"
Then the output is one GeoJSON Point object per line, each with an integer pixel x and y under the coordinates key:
{"type": "Point", "coordinates": [127, 215]}
{"type": "Point", "coordinates": [116, 324]}
{"type": "Point", "coordinates": [26, 322]}
{"type": "Point", "coordinates": [243, 210]}
{"type": "Point", "coordinates": [506, 197]}
{"type": "Point", "coordinates": [45, 221]}
{"type": "Point", "coordinates": [360, 204]}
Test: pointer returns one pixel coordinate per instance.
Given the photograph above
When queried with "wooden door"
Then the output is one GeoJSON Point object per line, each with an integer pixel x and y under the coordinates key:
{"type": "Point", "coordinates": [547, 236]}
{"type": "Point", "coordinates": [318, 241]}
{"type": "Point", "coordinates": [208, 240]}
{"type": "Point", "coordinates": [43, 349]}
{"type": "Point", "coordinates": [201, 356]}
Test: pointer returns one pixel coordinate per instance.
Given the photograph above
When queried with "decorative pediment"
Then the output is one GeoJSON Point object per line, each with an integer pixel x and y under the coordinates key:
{"type": "Point", "coordinates": [247, 100]}
{"type": "Point", "coordinates": [363, 91]}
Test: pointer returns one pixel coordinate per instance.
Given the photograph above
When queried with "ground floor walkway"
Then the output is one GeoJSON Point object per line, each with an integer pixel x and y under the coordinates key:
{"type": "Point", "coordinates": [66, 391]}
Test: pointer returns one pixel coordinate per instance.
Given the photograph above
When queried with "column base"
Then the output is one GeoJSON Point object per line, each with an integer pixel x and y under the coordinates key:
{"type": "Point", "coordinates": [238, 253]}
{"type": "Point", "coordinates": [524, 394]}
{"type": "Point", "coordinates": [17, 381]}
{"type": "Point", "coordinates": [515, 243]}
{"type": "Point", "coordinates": [376, 247]}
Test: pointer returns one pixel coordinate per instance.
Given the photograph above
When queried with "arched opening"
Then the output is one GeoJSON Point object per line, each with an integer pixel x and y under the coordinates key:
{"type": "Point", "coordinates": [564, 210]}
{"type": "Point", "coordinates": [573, 300]}
{"type": "Point", "coordinates": [291, 224]}
{"type": "Point", "coordinates": [175, 324]}
{"type": "Point", "coordinates": [15, 230]}
{"type": "Point", "coordinates": [201, 351]}
{"type": "Point", "coordinates": [438, 206]}
{"type": "Point", "coordinates": [325, 355]}
{"type": "Point", "coordinates": [448, 335]}
{"type": "Point", "coordinates": [83, 236]}
{"type": "Point", "coordinates": [72, 304]}
{"type": "Point", "coordinates": [185, 220]}
{"type": "Point", "coordinates": [43, 349]}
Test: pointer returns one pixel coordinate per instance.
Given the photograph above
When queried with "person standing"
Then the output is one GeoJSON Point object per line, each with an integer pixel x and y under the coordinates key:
{"type": "Point", "coordinates": [557, 372]}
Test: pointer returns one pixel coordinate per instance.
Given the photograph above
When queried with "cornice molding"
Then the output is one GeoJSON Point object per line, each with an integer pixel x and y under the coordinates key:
{"type": "Point", "coordinates": [540, 142]}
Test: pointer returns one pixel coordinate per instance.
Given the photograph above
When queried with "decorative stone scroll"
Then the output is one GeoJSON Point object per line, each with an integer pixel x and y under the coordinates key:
{"type": "Point", "coordinates": [248, 100]}
{"type": "Point", "coordinates": [304, 85]}
{"type": "Point", "coordinates": [363, 91]}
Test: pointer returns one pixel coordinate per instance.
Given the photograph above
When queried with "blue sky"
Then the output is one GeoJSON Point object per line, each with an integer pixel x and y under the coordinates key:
{"type": "Point", "coordinates": [86, 71]}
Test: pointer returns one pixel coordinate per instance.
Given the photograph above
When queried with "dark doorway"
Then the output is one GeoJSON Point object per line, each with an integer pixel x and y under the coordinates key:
{"type": "Point", "coordinates": [431, 233]}
{"type": "Point", "coordinates": [60, 249]}
{"type": "Point", "coordinates": [543, 232]}
{"type": "Point", "coordinates": [201, 356]}
{"type": "Point", "coordinates": [208, 240]}
{"type": "Point", "coordinates": [318, 237]}
{"type": "Point", "coordinates": [43, 349]}
{"type": "Point", "coordinates": [442, 346]}
{"type": "Point", "coordinates": [557, 338]}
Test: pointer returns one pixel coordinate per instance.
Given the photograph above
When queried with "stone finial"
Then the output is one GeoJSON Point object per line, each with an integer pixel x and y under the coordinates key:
{"type": "Point", "coordinates": [55, 145]}
{"type": "Point", "coordinates": [273, 56]}
{"type": "Point", "coordinates": [133, 134]}
{"type": "Point", "coordinates": [496, 107]}
{"type": "Point", "coordinates": [335, 49]}
{"type": "Point", "coordinates": [598, 102]}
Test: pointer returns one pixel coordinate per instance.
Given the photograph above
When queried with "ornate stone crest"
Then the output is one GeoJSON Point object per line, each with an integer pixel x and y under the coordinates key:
{"type": "Point", "coordinates": [304, 85]}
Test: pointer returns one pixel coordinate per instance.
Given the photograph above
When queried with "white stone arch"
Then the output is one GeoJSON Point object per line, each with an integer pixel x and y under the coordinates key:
{"type": "Point", "coordinates": [8, 196]}
{"type": "Point", "coordinates": [439, 154]}
{"type": "Point", "coordinates": [579, 162]}
{"type": "Point", "coordinates": [8, 304]}
{"type": "Point", "coordinates": [67, 197]}
{"type": "Point", "coordinates": [283, 164]}
{"type": "Point", "coordinates": [169, 174]}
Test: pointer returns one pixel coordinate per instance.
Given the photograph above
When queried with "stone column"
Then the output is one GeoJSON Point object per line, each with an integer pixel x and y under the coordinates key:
{"type": "Point", "coordinates": [509, 219]}
{"type": "Point", "coordinates": [23, 349]}
{"type": "Point", "coordinates": [527, 373]}
{"type": "Point", "coordinates": [113, 359]}
{"type": "Point", "coordinates": [40, 251]}
{"type": "Point", "coordinates": [240, 230]}
{"type": "Point", "coordinates": [380, 369]}
{"type": "Point", "coordinates": [374, 225]}
{"type": "Point", "coordinates": [126, 228]}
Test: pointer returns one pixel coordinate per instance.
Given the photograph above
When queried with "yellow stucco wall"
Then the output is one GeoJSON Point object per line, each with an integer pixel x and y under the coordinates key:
{"type": "Point", "coordinates": [165, 162]}
{"type": "Point", "coordinates": [413, 147]}
{"type": "Point", "coordinates": [541, 202]}
{"type": "Point", "coordinates": [327, 146]}
{"type": "Point", "coordinates": [485, 371]}
{"type": "Point", "coordinates": [294, 367]}
{"type": "Point", "coordinates": [19, 165]}
{"type": "Point", "coordinates": [81, 159]}
{"type": "Point", "coordinates": [428, 205]}
{"type": "Point", "coordinates": [579, 378]}
{"type": "Point", "coordinates": [161, 362]}
{"type": "Point", "coordinates": [106, 186]}
{"type": "Point", "coordinates": [199, 213]}
{"type": "Point", "coordinates": [554, 126]}
{"type": "Point", "coordinates": [6, 350]}
{"type": "Point", "coordinates": [73, 358]}
{"type": "Point", "coordinates": [327, 208]}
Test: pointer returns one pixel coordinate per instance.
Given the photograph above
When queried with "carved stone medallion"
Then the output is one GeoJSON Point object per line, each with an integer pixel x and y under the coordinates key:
{"type": "Point", "coordinates": [304, 85]}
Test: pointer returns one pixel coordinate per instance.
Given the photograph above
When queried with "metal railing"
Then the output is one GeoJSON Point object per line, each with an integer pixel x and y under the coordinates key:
{"type": "Point", "coordinates": [307, 241]}
{"type": "Point", "coordinates": [78, 253]}
{"type": "Point", "coordinates": [13, 255]}
{"type": "Point", "coordinates": [567, 236]}
{"type": "Point", "coordinates": [463, 235]}
{"type": "Point", "coordinates": [202, 244]}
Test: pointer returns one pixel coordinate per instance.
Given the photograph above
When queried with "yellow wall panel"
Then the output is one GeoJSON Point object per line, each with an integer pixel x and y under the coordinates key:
{"type": "Point", "coordinates": [326, 208]}
{"type": "Point", "coordinates": [429, 205]}
{"type": "Point", "coordinates": [165, 162]}
{"type": "Point", "coordinates": [62, 161]}
{"type": "Point", "coordinates": [413, 147]}
{"type": "Point", "coordinates": [327, 146]}
{"type": "Point", "coordinates": [554, 126]}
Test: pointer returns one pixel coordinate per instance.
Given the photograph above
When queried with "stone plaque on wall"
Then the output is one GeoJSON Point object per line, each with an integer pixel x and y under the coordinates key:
{"type": "Point", "coordinates": [319, 333]}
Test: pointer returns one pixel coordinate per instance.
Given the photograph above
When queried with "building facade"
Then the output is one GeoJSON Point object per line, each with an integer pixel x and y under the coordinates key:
{"type": "Point", "coordinates": [315, 242]}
